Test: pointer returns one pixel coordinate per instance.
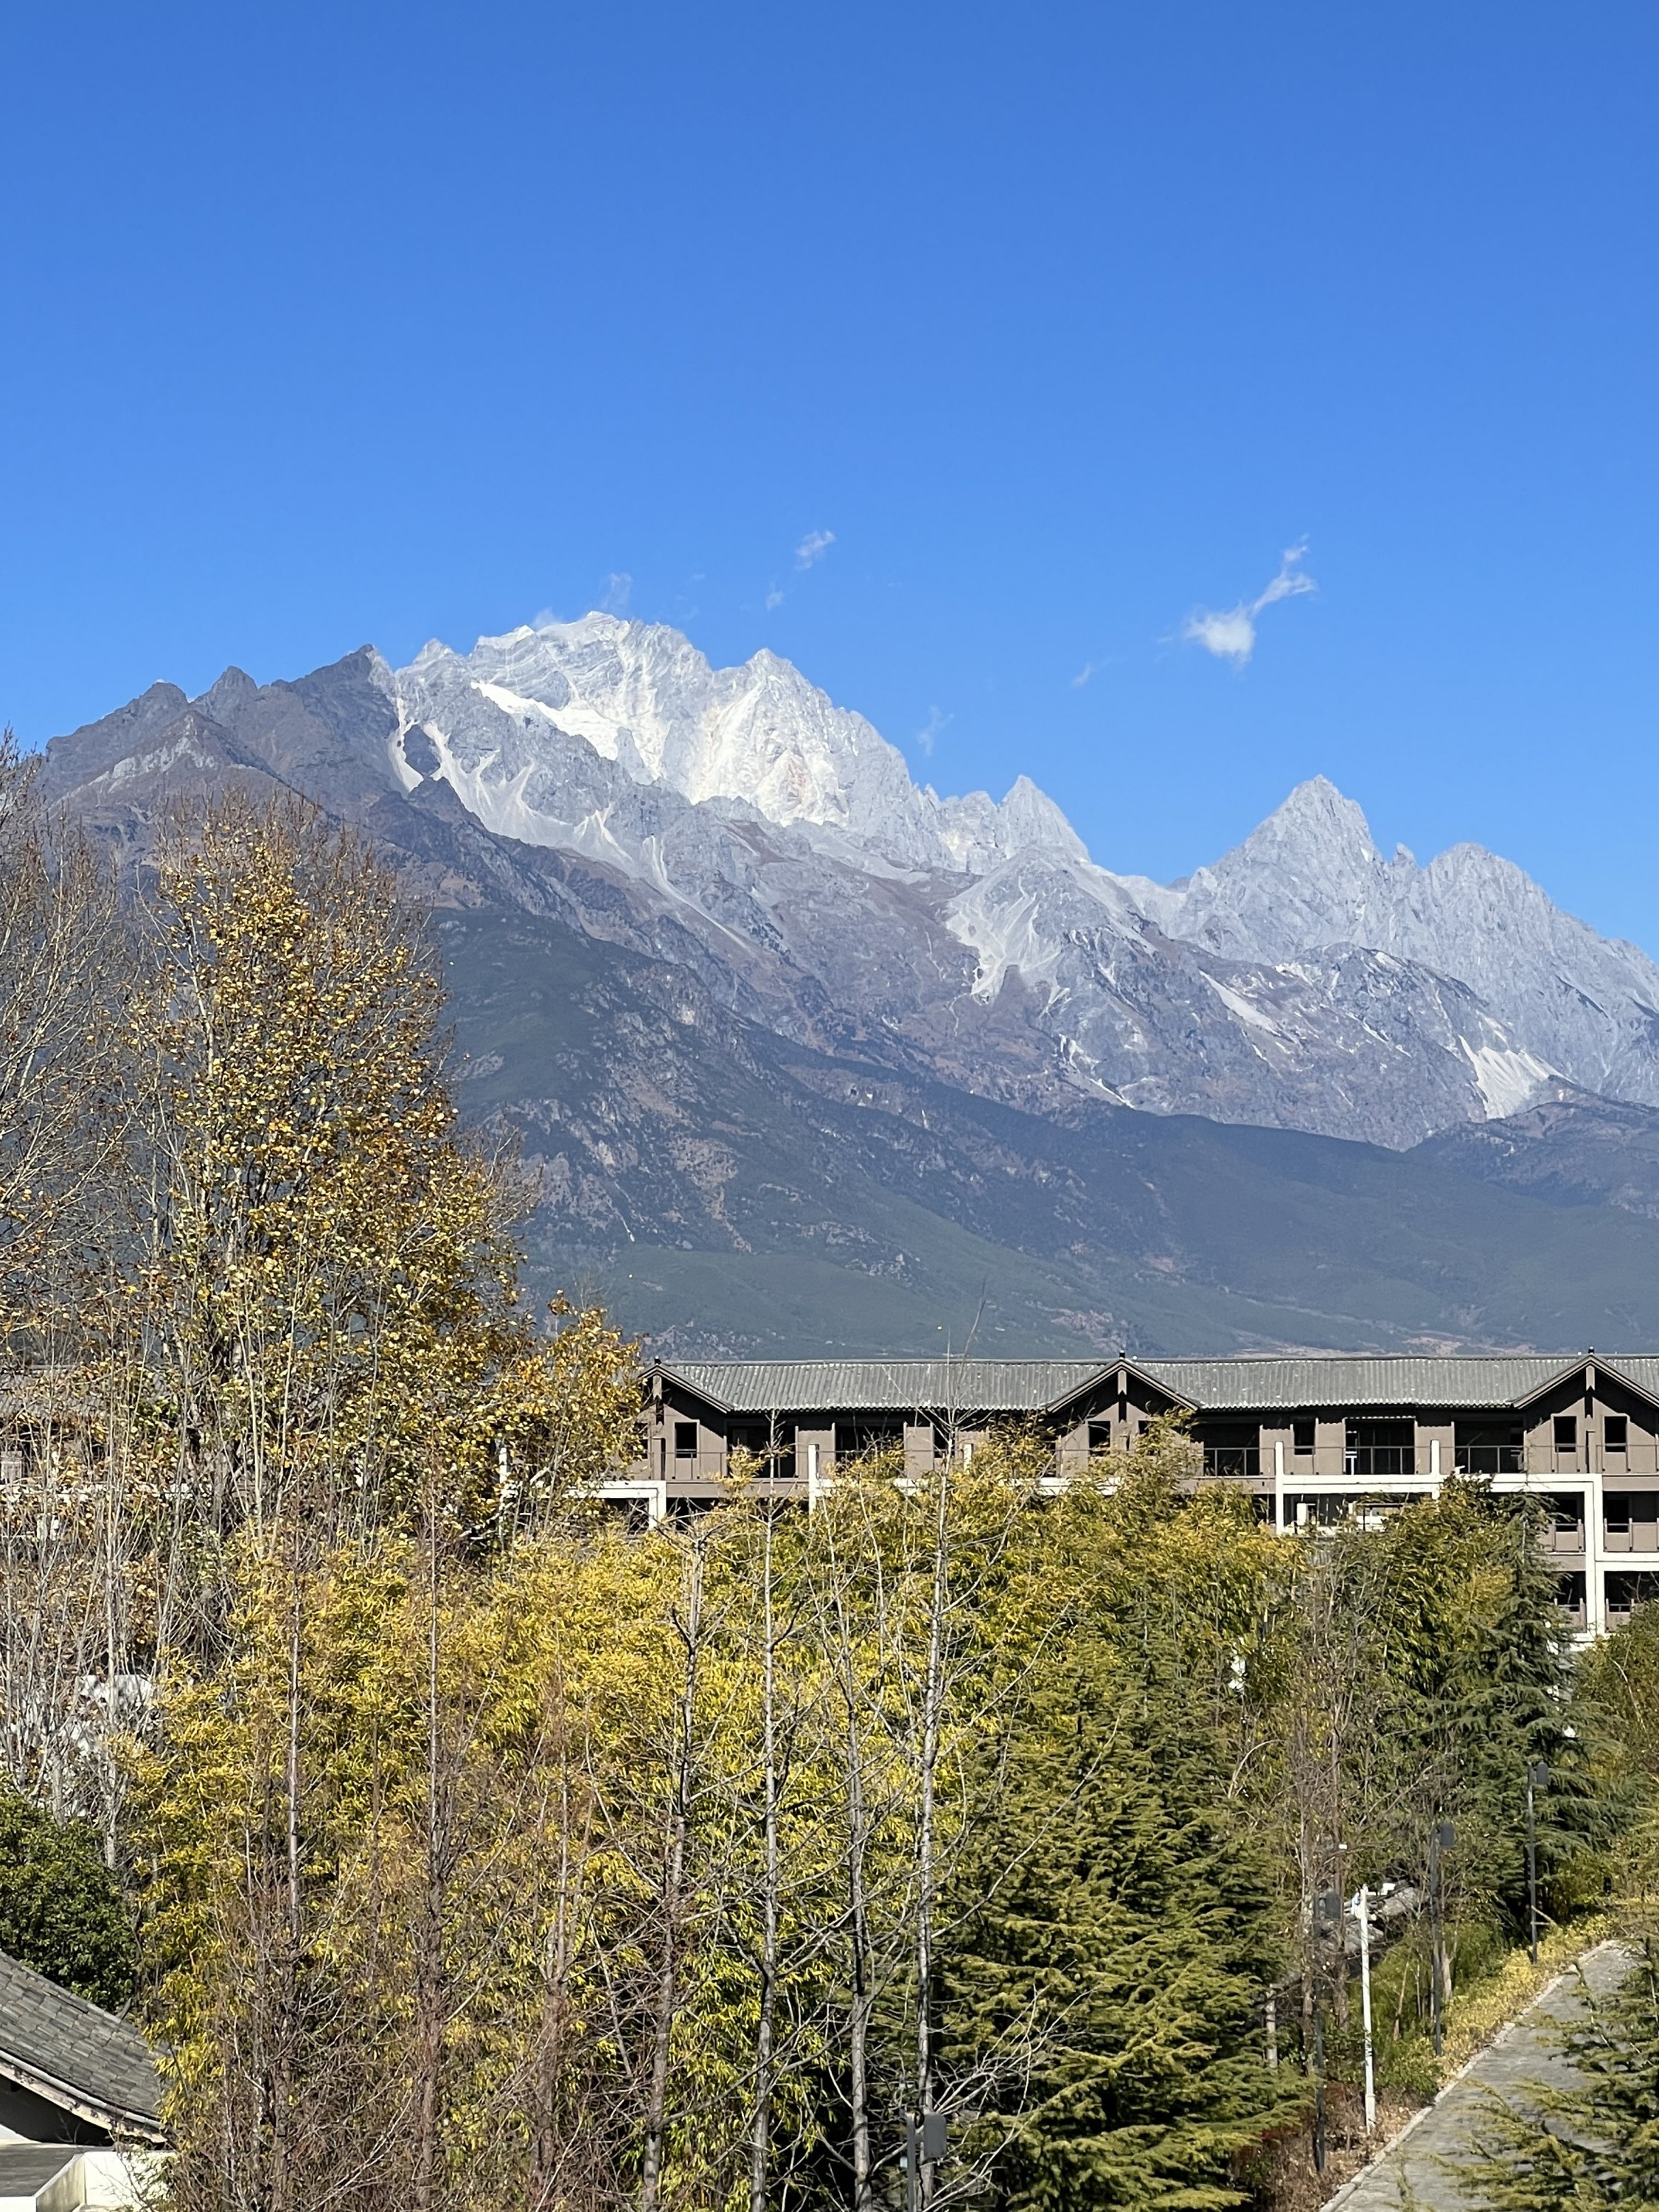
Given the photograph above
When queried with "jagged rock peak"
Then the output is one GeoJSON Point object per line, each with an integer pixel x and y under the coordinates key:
{"type": "Point", "coordinates": [641, 696]}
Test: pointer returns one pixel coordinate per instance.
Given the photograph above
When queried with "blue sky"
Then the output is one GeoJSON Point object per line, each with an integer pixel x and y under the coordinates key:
{"type": "Point", "coordinates": [329, 323]}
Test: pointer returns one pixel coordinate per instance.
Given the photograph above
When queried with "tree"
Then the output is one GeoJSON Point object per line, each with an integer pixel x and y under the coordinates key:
{"type": "Point", "coordinates": [1119, 1919]}
{"type": "Point", "coordinates": [326, 1294]}
{"type": "Point", "coordinates": [59, 984]}
{"type": "Point", "coordinates": [62, 1911]}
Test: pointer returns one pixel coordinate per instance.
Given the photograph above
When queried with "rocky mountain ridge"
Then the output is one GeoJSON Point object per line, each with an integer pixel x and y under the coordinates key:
{"type": "Point", "coordinates": [737, 822]}
{"type": "Point", "coordinates": [1301, 981]}
{"type": "Point", "coordinates": [805, 1053]}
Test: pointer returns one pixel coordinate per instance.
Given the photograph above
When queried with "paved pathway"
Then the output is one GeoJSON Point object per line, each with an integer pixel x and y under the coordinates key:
{"type": "Point", "coordinates": [1522, 2053]}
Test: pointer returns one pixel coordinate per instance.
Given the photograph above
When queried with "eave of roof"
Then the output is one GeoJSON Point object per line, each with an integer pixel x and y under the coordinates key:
{"type": "Point", "coordinates": [98, 2112]}
{"type": "Point", "coordinates": [76, 2055]}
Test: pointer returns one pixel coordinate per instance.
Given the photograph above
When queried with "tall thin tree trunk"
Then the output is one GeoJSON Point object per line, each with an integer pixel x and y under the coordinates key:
{"type": "Point", "coordinates": [547, 2147]}
{"type": "Point", "coordinates": [667, 1989]}
{"type": "Point", "coordinates": [429, 1930]}
{"type": "Point", "coordinates": [760, 2145]}
{"type": "Point", "coordinates": [862, 2000]}
{"type": "Point", "coordinates": [932, 1693]}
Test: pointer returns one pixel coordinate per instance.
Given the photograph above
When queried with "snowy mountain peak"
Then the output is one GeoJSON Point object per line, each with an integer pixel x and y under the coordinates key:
{"type": "Point", "coordinates": [757, 740]}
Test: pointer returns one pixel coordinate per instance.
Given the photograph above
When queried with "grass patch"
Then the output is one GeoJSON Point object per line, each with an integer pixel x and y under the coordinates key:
{"type": "Point", "coordinates": [1476, 2014]}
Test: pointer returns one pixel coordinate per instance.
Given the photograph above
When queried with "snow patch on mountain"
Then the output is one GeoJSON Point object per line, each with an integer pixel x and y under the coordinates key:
{"type": "Point", "coordinates": [751, 805]}
{"type": "Point", "coordinates": [759, 738]}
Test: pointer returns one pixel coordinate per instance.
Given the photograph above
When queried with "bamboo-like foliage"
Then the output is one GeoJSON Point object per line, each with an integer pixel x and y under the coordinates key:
{"type": "Point", "coordinates": [488, 1855]}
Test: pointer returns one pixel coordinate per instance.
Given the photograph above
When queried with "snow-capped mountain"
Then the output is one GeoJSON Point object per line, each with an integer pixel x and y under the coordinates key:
{"type": "Point", "coordinates": [1310, 877]}
{"type": "Point", "coordinates": [738, 824]}
{"type": "Point", "coordinates": [1302, 980]}
{"type": "Point", "coordinates": [651, 715]}
{"type": "Point", "coordinates": [805, 1055]}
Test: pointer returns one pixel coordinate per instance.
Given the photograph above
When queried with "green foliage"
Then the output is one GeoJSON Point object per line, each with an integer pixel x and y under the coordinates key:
{"type": "Point", "coordinates": [1119, 1913]}
{"type": "Point", "coordinates": [61, 1910]}
{"type": "Point", "coordinates": [1619, 1703]}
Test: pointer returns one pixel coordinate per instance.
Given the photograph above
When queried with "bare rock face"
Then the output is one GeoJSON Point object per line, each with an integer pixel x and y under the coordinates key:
{"type": "Point", "coordinates": [737, 822]}
{"type": "Point", "coordinates": [806, 1052]}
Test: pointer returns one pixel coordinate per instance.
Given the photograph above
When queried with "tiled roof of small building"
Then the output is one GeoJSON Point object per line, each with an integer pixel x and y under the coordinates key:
{"type": "Point", "coordinates": [76, 2054]}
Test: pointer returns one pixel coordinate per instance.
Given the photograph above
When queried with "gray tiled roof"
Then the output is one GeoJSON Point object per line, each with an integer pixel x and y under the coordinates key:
{"type": "Point", "coordinates": [1501, 1379]}
{"type": "Point", "coordinates": [26, 2168]}
{"type": "Point", "coordinates": [828, 1386]}
{"type": "Point", "coordinates": [76, 2054]}
{"type": "Point", "coordinates": [1017, 1386]}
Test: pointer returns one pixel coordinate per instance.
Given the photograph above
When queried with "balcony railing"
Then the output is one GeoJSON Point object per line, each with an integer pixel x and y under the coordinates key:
{"type": "Point", "coordinates": [1235, 1459]}
{"type": "Point", "coordinates": [1379, 1459]}
{"type": "Point", "coordinates": [1489, 1459]}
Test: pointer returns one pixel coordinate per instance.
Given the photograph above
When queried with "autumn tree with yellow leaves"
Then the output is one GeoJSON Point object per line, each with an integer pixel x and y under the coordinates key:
{"type": "Point", "coordinates": [485, 1854]}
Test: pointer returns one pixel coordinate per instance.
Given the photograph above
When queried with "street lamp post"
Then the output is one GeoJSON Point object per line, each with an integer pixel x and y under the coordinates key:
{"type": "Point", "coordinates": [1362, 1908]}
{"type": "Point", "coordinates": [1537, 1777]}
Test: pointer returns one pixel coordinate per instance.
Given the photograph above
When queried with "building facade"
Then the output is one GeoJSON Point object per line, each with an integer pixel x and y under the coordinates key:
{"type": "Point", "coordinates": [1310, 1439]}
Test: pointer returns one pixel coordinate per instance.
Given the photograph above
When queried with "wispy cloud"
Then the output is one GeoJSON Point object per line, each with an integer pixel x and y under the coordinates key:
{"type": "Point", "coordinates": [1083, 675]}
{"type": "Point", "coordinates": [1230, 632]}
{"type": "Point", "coordinates": [813, 547]}
{"type": "Point", "coordinates": [618, 590]}
{"type": "Point", "coordinates": [928, 734]}
{"type": "Point", "coordinates": [773, 598]}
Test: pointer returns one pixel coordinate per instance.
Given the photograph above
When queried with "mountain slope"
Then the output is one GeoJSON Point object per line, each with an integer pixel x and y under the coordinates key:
{"type": "Point", "coordinates": [1567, 1148]}
{"type": "Point", "coordinates": [805, 1053]}
{"type": "Point", "coordinates": [727, 1190]}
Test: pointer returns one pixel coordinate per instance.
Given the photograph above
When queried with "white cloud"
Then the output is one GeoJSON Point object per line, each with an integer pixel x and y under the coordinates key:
{"type": "Point", "coordinates": [928, 733]}
{"type": "Point", "coordinates": [618, 590]}
{"type": "Point", "coordinates": [1083, 675]}
{"type": "Point", "coordinates": [1230, 634]}
{"type": "Point", "coordinates": [813, 547]}
{"type": "Point", "coordinates": [773, 598]}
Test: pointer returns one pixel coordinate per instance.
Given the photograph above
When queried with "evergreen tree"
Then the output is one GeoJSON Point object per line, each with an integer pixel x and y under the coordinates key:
{"type": "Point", "coordinates": [61, 1910]}
{"type": "Point", "coordinates": [1124, 1921]}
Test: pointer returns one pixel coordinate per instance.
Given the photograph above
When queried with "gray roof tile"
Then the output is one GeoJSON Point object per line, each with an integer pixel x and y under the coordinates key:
{"type": "Point", "coordinates": [828, 1386]}
{"type": "Point", "coordinates": [1018, 1386]}
{"type": "Point", "coordinates": [76, 2053]}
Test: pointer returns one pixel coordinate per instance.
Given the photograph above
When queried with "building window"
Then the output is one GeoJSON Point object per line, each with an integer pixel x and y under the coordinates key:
{"type": "Point", "coordinates": [1630, 1520]}
{"type": "Point", "coordinates": [1328, 1509]}
{"type": "Point", "coordinates": [1570, 1596]}
{"type": "Point", "coordinates": [1381, 1448]}
{"type": "Point", "coordinates": [1302, 1438]}
{"type": "Point", "coordinates": [1624, 1592]}
{"type": "Point", "coordinates": [1100, 1437]}
{"type": "Point", "coordinates": [1616, 1432]}
{"type": "Point", "coordinates": [685, 1440]}
{"type": "Point", "coordinates": [1567, 1432]}
{"type": "Point", "coordinates": [1231, 1448]}
{"type": "Point", "coordinates": [1485, 1447]}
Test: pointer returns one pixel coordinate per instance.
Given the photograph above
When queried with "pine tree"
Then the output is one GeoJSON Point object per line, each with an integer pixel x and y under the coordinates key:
{"type": "Point", "coordinates": [1125, 1927]}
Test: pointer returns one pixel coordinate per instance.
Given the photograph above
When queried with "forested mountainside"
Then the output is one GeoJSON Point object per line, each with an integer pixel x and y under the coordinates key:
{"type": "Point", "coordinates": [807, 1054]}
